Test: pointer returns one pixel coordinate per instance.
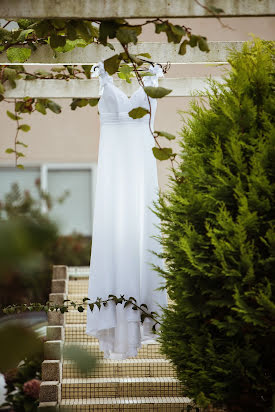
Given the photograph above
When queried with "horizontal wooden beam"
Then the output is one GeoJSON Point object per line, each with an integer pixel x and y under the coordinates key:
{"type": "Point", "coordinates": [160, 52]}
{"type": "Point", "coordinates": [84, 9]}
{"type": "Point", "coordinates": [62, 89]}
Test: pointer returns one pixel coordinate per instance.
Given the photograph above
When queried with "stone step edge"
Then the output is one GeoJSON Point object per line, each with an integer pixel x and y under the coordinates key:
{"type": "Point", "coordinates": [125, 361]}
{"type": "Point", "coordinates": [163, 379]}
{"type": "Point", "coordinates": [96, 344]}
{"type": "Point", "coordinates": [125, 401]}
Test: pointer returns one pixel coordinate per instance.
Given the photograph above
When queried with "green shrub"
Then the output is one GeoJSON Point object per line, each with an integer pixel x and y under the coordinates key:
{"type": "Point", "coordinates": [218, 240]}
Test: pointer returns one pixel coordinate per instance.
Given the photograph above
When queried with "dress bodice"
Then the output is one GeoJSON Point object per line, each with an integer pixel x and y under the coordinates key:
{"type": "Point", "coordinates": [114, 104]}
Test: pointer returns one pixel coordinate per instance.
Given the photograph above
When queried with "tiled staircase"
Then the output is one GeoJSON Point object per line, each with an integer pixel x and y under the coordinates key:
{"type": "Point", "coordinates": [144, 383]}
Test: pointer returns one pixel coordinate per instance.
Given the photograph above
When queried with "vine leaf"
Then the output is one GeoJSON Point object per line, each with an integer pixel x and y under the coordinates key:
{"type": "Point", "coordinates": [18, 54]}
{"type": "Point", "coordinates": [40, 107]}
{"type": "Point", "coordinates": [138, 112]}
{"type": "Point", "coordinates": [13, 116]}
{"type": "Point", "coordinates": [111, 65]}
{"type": "Point", "coordinates": [93, 101]}
{"type": "Point", "coordinates": [126, 34]}
{"type": "Point", "coordinates": [54, 107]}
{"type": "Point", "coordinates": [125, 73]}
{"type": "Point", "coordinates": [168, 136]}
{"type": "Point", "coordinates": [182, 49]}
{"type": "Point", "coordinates": [24, 127]}
{"type": "Point", "coordinates": [203, 46]}
{"type": "Point", "coordinates": [22, 144]}
{"type": "Point", "coordinates": [57, 41]}
{"type": "Point", "coordinates": [23, 35]}
{"type": "Point", "coordinates": [163, 153]}
{"type": "Point", "coordinates": [156, 92]}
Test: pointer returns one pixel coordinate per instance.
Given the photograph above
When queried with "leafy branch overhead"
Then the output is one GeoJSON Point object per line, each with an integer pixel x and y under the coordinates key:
{"type": "Point", "coordinates": [64, 35]}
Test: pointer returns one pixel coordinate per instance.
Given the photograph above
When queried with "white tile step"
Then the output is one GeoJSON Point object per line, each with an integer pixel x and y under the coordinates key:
{"type": "Point", "coordinates": [122, 368]}
{"type": "Point", "coordinates": [120, 387]}
{"type": "Point", "coordinates": [147, 350]}
{"type": "Point", "coordinates": [144, 404]}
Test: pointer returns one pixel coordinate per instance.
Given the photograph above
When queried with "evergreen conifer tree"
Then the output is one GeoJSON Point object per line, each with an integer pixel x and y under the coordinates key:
{"type": "Point", "coordinates": [218, 219]}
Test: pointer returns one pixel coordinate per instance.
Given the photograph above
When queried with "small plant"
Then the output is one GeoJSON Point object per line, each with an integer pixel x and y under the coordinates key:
{"type": "Point", "coordinates": [23, 383]}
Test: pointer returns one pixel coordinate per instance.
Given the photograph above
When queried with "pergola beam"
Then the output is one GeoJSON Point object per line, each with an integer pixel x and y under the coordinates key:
{"type": "Point", "coordinates": [160, 52]}
{"type": "Point", "coordinates": [98, 9]}
{"type": "Point", "coordinates": [74, 88]}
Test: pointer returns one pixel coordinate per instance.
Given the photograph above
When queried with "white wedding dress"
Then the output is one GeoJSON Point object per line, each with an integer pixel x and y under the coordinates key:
{"type": "Point", "coordinates": [123, 225]}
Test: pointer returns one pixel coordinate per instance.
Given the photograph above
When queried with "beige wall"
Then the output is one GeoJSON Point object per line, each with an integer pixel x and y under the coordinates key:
{"type": "Point", "coordinates": [73, 136]}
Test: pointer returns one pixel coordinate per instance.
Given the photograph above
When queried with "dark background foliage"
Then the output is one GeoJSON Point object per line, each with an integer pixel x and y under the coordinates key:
{"type": "Point", "coordinates": [30, 243]}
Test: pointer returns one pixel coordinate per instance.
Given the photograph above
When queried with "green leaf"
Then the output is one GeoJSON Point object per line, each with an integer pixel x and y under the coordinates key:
{"type": "Point", "coordinates": [125, 72]}
{"type": "Point", "coordinates": [145, 55]}
{"type": "Point", "coordinates": [57, 41]}
{"type": "Point", "coordinates": [71, 31]}
{"type": "Point", "coordinates": [216, 10]}
{"type": "Point", "coordinates": [21, 143]}
{"type": "Point", "coordinates": [161, 27]}
{"type": "Point", "coordinates": [23, 35]}
{"type": "Point", "coordinates": [107, 29]}
{"type": "Point", "coordinates": [178, 30]}
{"type": "Point", "coordinates": [20, 154]}
{"type": "Point", "coordinates": [111, 65]}
{"type": "Point", "coordinates": [40, 107]}
{"type": "Point", "coordinates": [93, 102]}
{"type": "Point", "coordinates": [5, 35]}
{"type": "Point", "coordinates": [13, 116]}
{"type": "Point", "coordinates": [138, 112]}
{"type": "Point", "coordinates": [70, 45]}
{"type": "Point", "coordinates": [203, 46]}
{"type": "Point", "coordinates": [78, 103]}
{"type": "Point", "coordinates": [165, 134]}
{"type": "Point", "coordinates": [182, 49]}
{"type": "Point", "coordinates": [20, 166]}
{"type": "Point", "coordinates": [84, 30]}
{"type": "Point", "coordinates": [18, 54]}
{"type": "Point", "coordinates": [24, 127]}
{"type": "Point", "coordinates": [87, 70]}
{"type": "Point", "coordinates": [163, 153]}
{"type": "Point", "coordinates": [24, 23]}
{"type": "Point", "coordinates": [9, 150]}
{"type": "Point", "coordinates": [54, 107]}
{"type": "Point", "coordinates": [156, 92]}
{"type": "Point", "coordinates": [2, 89]}
{"type": "Point", "coordinates": [193, 40]}
{"type": "Point", "coordinates": [128, 34]}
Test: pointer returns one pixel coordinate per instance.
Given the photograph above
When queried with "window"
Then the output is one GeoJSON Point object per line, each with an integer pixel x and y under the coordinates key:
{"type": "Point", "coordinates": [76, 212]}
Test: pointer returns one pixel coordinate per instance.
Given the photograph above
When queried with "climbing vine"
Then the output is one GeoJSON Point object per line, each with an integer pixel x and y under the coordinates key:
{"type": "Point", "coordinates": [80, 307]}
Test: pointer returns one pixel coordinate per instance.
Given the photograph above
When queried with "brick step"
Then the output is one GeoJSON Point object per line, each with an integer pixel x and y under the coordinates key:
{"type": "Point", "coordinates": [131, 368]}
{"type": "Point", "coordinates": [142, 404]}
{"type": "Point", "coordinates": [119, 387]}
{"type": "Point", "coordinates": [147, 351]}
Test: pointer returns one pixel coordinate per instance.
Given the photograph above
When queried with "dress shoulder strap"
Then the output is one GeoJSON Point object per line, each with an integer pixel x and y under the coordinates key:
{"type": "Point", "coordinates": [156, 72]}
{"type": "Point", "coordinates": [98, 70]}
